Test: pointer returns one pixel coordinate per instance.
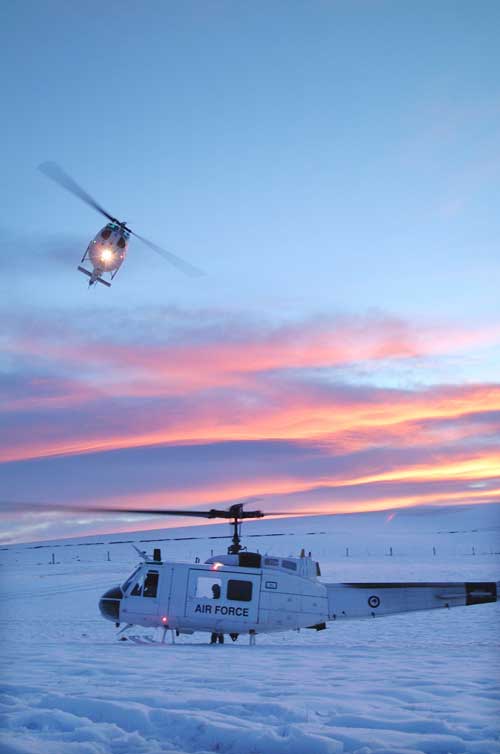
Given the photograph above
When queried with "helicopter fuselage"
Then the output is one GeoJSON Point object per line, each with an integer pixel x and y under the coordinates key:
{"type": "Point", "coordinates": [221, 597]}
{"type": "Point", "coordinates": [106, 253]}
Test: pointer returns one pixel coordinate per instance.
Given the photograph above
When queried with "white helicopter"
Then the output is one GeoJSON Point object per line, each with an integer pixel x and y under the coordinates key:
{"type": "Point", "coordinates": [248, 593]}
{"type": "Point", "coordinates": [108, 248]}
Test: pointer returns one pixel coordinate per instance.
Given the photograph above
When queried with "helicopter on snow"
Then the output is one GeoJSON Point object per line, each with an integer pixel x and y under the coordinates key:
{"type": "Point", "coordinates": [107, 250]}
{"type": "Point", "coordinates": [246, 593]}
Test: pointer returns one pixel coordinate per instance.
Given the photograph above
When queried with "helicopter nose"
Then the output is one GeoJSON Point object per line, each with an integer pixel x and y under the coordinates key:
{"type": "Point", "coordinates": [109, 604]}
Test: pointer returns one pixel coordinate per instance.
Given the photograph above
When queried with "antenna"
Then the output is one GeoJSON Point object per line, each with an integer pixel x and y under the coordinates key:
{"type": "Point", "coordinates": [141, 553]}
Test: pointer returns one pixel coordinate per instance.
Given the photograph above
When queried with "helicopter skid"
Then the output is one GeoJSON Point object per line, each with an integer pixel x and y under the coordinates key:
{"type": "Point", "coordinates": [92, 278]}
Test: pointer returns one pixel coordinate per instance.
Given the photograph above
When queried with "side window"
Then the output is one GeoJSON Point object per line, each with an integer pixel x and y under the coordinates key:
{"type": "Point", "coordinates": [239, 590]}
{"type": "Point", "coordinates": [208, 587]}
{"type": "Point", "coordinates": [151, 584]}
{"type": "Point", "coordinates": [271, 562]}
{"type": "Point", "coordinates": [289, 564]}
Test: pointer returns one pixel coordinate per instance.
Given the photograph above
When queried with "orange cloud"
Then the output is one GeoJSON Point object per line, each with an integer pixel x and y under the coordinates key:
{"type": "Point", "coordinates": [278, 413]}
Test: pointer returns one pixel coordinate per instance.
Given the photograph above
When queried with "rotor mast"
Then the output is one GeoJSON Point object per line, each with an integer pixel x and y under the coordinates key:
{"type": "Point", "coordinates": [236, 547]}
{"type": "Point", "coordinates": [237, 512]}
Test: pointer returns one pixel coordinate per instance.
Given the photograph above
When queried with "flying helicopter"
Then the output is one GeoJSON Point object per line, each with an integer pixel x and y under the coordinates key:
{"type": "Point", "coordinates": [248, 593]}
{"type": "Point", "coordinates": [107, 250]}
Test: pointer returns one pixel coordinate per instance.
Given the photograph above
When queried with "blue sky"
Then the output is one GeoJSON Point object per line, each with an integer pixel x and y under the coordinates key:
{"type": "Point", "coordinates": [322, 161]}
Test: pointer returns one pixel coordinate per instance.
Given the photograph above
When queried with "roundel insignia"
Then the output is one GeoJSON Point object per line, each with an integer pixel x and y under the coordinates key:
{"type": "Point", "coordinates": [374, 601]}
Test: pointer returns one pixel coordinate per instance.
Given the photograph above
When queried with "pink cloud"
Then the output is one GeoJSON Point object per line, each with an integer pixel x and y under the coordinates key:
{"type": "Point", "coordinates": [224, 357]}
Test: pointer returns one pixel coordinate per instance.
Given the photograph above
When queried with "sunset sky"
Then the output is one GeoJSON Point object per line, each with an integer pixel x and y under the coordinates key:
{"type": "Point", "coordinates": [334, 168]}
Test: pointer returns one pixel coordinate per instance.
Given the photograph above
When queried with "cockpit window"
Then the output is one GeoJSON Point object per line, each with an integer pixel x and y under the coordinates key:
{"type": "Point", "coordinates": [126, 585]}
{"type": "Point", "coordinates": [137, 589]}
{"type": "Point", "coordinates": [289, 564]}
{"type": "Point", "coordinates": [106, 233]}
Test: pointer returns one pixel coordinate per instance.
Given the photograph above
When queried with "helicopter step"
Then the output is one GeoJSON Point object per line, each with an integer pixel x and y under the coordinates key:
{"type": "Point", "coordinates": [94, 279]}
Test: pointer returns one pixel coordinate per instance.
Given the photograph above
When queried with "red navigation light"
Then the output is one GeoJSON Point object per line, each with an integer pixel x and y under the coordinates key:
{"type": "Point", "coordinates": [164, 619]}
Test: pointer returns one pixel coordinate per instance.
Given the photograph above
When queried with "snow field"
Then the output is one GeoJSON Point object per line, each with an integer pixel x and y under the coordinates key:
{"type": "Point", "coordinates": [422, 682]}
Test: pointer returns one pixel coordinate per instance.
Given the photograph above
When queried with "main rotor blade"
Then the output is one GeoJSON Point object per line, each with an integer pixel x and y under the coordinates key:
{"type": "Point", "coordinates": [211, 513]}
{"type": "Point", "coordinates": [181, 264]}
{"type": "Point", "coordinates": [54, 507]}
{"type": "Point", "coordinates": [298, 513]}
{"type": "Point", "coordinates": [153, 512]}
{"type": "Point", "coordinates": [55, 172]}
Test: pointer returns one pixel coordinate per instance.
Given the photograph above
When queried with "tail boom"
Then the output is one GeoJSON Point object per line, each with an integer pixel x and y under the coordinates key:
{"type": "Point", "coordinates": [370, 600]}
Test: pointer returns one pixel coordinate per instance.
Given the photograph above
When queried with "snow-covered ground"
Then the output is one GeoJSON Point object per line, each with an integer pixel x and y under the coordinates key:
{"type": "Point", "coordinates": [422, 682]}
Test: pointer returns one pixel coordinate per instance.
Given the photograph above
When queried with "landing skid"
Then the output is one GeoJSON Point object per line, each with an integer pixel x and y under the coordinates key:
{"type": "Point", "coordinates": [93, 279]}
{"type": "Point", "coordinates": [149, 641]}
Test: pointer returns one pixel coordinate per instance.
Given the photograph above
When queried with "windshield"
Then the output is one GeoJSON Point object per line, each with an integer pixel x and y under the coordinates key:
{"type": "Point", "coordinates": [130, 579]}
